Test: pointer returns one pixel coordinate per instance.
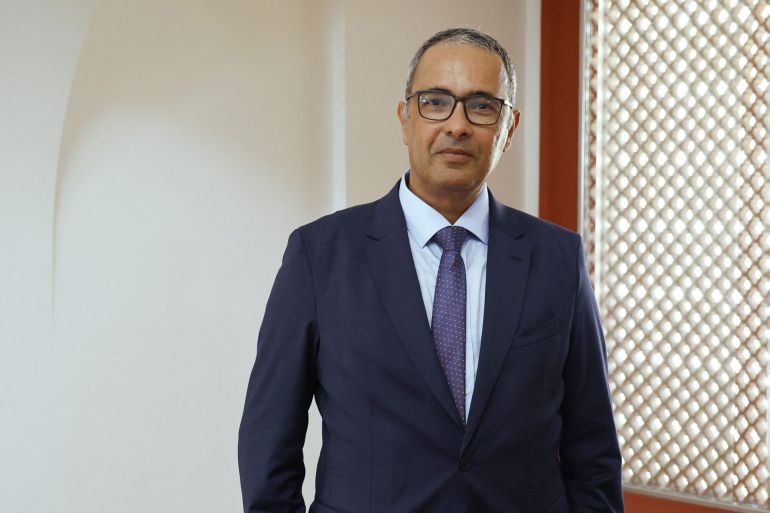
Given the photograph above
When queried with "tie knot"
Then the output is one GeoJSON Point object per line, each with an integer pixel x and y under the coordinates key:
{"type": "Point", "coordinates": [451, 238]}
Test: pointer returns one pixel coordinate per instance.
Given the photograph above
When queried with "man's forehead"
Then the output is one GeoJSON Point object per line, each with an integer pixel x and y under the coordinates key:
{"type": "Point", "coordinates": [449, 65]}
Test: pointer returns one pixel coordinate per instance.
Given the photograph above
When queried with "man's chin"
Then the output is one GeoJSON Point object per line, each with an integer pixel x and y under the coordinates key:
{"type": "Point", "coordinates": [458, 180]}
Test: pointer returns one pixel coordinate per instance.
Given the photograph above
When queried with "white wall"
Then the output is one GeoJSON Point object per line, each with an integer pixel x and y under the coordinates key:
{"type": "Point", "coordinates": [148, 182]}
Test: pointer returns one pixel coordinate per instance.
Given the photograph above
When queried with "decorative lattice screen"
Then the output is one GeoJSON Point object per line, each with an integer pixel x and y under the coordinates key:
{"type": "Point", "coordinates": [676, 215]}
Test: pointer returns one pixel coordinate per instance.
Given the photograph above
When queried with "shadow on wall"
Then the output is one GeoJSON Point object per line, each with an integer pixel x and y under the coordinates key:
{"type": "Point", "coordinates": [185, 122]}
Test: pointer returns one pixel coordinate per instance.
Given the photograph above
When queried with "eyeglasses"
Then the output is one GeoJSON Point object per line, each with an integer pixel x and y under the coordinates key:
{"type": "Point", "coordinates": [480, 109]}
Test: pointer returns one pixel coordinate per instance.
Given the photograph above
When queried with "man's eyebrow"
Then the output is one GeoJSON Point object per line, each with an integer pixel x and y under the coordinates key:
{"type": "Point", "coordinates": [482, 93]}
{"type": "Point", "coordinates": [439, 89]}
{"type": "Point", "coordinates": [445, 90]}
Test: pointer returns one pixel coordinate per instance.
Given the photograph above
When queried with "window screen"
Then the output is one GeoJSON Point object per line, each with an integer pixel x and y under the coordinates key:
{"type": "Point", "coordinates": [675, 212]}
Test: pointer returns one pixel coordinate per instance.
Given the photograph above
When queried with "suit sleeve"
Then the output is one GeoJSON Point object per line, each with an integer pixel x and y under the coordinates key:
{"type": "Point", "coordinates": [281, 387]}
{"type": "Point", "coordinates": [589, 451]}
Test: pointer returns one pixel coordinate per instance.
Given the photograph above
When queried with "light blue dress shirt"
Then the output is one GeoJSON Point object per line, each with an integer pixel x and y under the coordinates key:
{"type": "Point", "coordinates": [422, 223]}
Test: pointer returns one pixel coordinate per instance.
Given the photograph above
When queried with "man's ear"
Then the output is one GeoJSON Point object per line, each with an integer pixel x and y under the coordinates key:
{"type": "Point", "coordinates": [512, 129]}
{"type": "Point", "coordinates": [403, 116]}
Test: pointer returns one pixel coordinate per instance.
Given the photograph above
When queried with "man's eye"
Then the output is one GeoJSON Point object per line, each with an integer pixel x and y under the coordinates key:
{"type": "Point", "coordinates": [434, 101]}
{"type": "Point", "coordinates": [484, 106]}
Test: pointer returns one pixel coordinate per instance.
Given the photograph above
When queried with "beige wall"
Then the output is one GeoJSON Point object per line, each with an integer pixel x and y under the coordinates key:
{"type": "Point", "coordinates": [149, 177]}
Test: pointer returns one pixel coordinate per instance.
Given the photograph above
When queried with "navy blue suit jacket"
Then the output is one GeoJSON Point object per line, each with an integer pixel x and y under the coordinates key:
{"type": "Point", "coordinates": [345, 323]}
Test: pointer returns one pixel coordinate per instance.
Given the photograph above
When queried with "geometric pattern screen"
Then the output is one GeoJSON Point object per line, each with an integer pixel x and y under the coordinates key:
{"type": "Point", "coordinates": [675, 213]}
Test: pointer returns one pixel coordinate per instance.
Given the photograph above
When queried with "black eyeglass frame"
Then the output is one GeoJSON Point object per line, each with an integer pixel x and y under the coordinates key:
{"type": "Point", "coordinates": [505, 103]}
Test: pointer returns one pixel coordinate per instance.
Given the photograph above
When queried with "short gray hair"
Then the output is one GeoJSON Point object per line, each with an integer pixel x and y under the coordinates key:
{"type": "Point", "coordinates": [471, 37]}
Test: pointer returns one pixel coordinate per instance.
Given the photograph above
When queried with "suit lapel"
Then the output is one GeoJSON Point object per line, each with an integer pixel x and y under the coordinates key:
{"type": "Point", "coordinates": [508, 262]}
{"type": "Point", "coordinates": [390, 261]}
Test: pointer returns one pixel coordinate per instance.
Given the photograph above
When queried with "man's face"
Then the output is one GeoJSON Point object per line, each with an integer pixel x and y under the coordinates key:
{"type": "Point", "coordinates": [454, 156]}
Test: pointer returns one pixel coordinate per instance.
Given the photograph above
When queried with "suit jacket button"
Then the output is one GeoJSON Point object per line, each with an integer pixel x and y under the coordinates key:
{"type": "Point", "coordinates": [465, 464]}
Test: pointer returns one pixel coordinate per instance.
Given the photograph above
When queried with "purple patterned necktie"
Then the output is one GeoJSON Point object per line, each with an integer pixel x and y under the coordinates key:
{"type": "Point", "coordinates": [448, 321]}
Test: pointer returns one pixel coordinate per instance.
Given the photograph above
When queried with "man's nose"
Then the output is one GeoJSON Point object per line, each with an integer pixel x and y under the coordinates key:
{"type": "Point", "coordinates": [457, 125]}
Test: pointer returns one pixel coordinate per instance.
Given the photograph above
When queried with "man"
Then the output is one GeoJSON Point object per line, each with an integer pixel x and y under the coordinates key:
{"type": "Point", "coordinates": [452, 344]}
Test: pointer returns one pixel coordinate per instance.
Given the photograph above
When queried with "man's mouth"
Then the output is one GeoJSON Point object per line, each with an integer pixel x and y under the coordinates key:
{"type": "Point", "coordinates": [455, 151]}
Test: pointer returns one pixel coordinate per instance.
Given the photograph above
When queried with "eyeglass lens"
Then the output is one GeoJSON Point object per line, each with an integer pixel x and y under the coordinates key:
{"type": "Point", "coordinates": [438, 106]}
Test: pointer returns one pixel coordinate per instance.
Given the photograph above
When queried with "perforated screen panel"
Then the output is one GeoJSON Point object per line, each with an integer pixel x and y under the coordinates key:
{"type": "Point", "coordinates": [676, 215]}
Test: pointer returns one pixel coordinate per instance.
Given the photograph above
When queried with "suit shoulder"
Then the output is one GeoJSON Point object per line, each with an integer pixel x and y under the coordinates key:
{"type": "Point", "coordinates": [338, 228]}
{"type": "Point", "coordinates": [543, 231]}
{"type": "Point", "coordinates": [556, 249]}
{"type": "Point", "coordinates": [346, 219]}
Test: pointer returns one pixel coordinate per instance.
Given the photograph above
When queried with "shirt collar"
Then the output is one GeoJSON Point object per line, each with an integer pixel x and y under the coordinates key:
{"type": "Point", "coordinates": [423, 221]}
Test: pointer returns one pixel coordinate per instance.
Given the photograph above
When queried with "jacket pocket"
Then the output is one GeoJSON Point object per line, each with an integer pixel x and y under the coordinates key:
{"type": "Point", "coordinates": [539, 332]}
{"type": "Point", "coordinates": [317, 507]}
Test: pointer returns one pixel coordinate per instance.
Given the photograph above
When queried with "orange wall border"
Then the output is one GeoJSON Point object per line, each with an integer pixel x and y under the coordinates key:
{"type": "Point", "coordinates": [638, 503]}
{"type": "Point", "coordinates": [559, 160]}
{"type": "Point", "coordinates": [559, 111]}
